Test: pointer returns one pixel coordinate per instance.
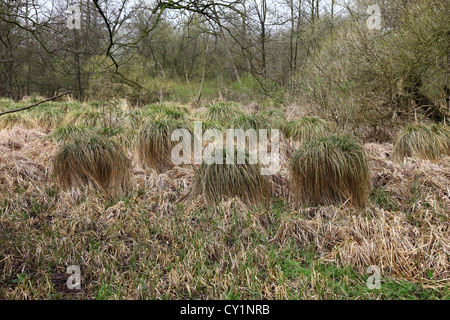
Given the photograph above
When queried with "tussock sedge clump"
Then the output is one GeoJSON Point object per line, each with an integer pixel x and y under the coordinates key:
{"type": "Point", "coordinates": [330, 170]}
{"type": "Point", "coordinates": [90, 158]}
{"type": "Point", "coordinates": [305, 128]}
{"type": "Point", "coordinates": [167, 111]}
{"type": "Point", "coordinates": [50, 118]}
{"type": "Point", "coordinates": [85, 116]}
{"type": "Point", "coordinates": [139, 117]}
{"type": "Point", "coordinates": [67, 105]}
{"type": "Point", "coordinates": [154, 145]}
{"type": "Point", "coordinates": [222, 112]}
{"type": "Point", "coordinates": [176, 112]}
{"type": "Point", "coordinates": [273, 113]}
{"type": "Point", "coordinates": [123, 135]}
{"type": "Point", "coordinates": [6, 102]}
{"type": "Point", "coordinates": [9, 121]}
{"type": "Point", "coordinates": [32, 99]}
{"type": "Point", "coordinates": [246, 122]}
{"type": "Point", "coordinates": [206, 125]}
{"type": "Point", "coordinates": [422, 141]}
{"type": "Point", "coordinates": [275, 117]}
{"type": "Point", "coordinates": [71, 132]}
{"type": "Point", "coordinates": [213, 181]}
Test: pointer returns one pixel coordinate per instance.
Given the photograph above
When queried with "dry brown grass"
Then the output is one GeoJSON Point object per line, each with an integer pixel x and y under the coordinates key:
{"type": "Point", "coordinates": [150, 246]}
{"type": "Point", "coordinates": [410, 241]}
{"type": "Point", "coordinates": [378, 237]}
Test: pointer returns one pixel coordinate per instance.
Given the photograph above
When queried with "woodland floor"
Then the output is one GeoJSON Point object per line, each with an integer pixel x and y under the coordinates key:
{"type": "Point", "coordinates": [150, 245]}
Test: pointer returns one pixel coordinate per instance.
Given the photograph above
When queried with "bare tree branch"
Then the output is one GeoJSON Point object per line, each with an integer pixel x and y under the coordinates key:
{"type": "Point", "coordinates": [36, 104]}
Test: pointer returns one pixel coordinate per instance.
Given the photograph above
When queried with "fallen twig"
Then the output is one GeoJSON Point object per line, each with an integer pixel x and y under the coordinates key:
{"type": "Point", "coordinates": [36, 104]}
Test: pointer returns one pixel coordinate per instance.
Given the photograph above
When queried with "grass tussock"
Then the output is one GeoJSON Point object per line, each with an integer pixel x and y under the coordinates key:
{"type": "Point", "coordinates": [140, 117]}
{"type": "Point", "coordinates": [50, 118]}
{"type": "Point", "coordinates": [246, 122]}
{"type": "Point", "coordinates": [6, 103]}
{"type": "Point", "coordinates": [422, 141]}
{"type": "Point", "coordinates": [88, 116]}
{"type": "Point", "coordinates": [154, 145]}
{"type": "Point", "coordinates": [93, 159]}
{"type": "Point", "coordinates": [71, 132]}
{"type": "Point", "coordinates": [9, 121]}
{"type": "Point", "coordinates": [122, 135]}
{"type": "Point", "coordinates": [170, 111]}
{"type": "Point", "coordinates": [222, 112]}
{"type": "Point", "coordinates": [273, 113]}
{"type": "Point", "coordinates": [207, 125]}
{"type": "Point", "coordinates": [125, 136]}
{"type": "Point", "coordinates": [215, 181]}
{"type": "Point", "coordinates": [305, 128]}
{"type": "Point", "coordinates": [330, 170]}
